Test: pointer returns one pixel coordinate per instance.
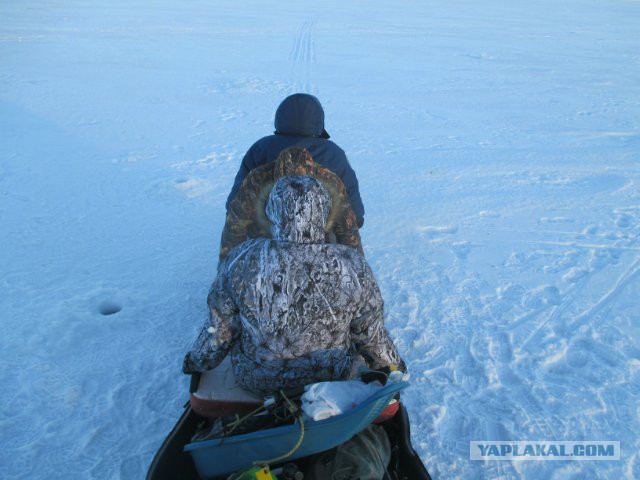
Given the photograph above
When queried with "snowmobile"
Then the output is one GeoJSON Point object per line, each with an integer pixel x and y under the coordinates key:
{"type": "Point", "coordinates": [215, 394]}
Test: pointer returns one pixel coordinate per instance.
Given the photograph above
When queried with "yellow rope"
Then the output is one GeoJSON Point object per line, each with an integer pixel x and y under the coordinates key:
{"type": "Point", "coordinates": [237, 423]}
{"type": "Point", "coordinates": [294, 410]}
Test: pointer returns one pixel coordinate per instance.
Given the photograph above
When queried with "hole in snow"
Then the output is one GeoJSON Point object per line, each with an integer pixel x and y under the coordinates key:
{"type": "Point", "coordinates": [109, 307]}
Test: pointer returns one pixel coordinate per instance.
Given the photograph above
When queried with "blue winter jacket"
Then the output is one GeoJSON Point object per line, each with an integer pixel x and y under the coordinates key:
{"type": "Point", "coordinates": [299, 122]}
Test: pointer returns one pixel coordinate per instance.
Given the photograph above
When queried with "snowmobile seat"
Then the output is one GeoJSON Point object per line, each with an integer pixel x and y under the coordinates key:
{"type": "Point", "coordinates": [217, 394]}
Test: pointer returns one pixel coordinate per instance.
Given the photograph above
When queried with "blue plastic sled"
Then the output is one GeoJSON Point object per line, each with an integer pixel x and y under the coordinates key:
{"type": "Point", "coordinates": [220, 457]}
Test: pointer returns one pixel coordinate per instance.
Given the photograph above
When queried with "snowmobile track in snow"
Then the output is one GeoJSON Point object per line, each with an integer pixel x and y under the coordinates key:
{"type": "Point", "coordinates": [303, 54]}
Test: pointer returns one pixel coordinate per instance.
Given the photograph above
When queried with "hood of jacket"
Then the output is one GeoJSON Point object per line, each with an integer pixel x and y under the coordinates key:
{"type": "Point", "coordinates": [300, 115]}
{"type": "Point", "coordinates": [298, 208]}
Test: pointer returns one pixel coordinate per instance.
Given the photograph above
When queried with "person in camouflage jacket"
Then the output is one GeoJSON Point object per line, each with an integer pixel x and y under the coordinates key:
{"type": "Point", "coordinates": [299, 122]}
{"type": "Point", "coordinates": [246, 216]}
{"type": "Point", "coordinates": [293, 310]}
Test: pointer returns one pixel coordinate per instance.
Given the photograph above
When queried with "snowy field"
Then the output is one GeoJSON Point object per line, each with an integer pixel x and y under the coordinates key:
{"type": "Point", "coordinates": [497, 145]}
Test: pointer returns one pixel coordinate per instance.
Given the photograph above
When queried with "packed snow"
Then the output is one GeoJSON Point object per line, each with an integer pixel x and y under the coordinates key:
{"type": "Point", "coordinates": [497, 147]}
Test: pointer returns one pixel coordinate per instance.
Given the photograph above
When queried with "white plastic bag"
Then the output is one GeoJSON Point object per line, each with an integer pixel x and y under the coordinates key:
{"type": "Point", "coordinates": [326, 399]}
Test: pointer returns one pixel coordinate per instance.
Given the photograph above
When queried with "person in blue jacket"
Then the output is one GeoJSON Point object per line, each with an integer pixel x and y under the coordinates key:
{"type": "Point", "coordinates": [299, 122]}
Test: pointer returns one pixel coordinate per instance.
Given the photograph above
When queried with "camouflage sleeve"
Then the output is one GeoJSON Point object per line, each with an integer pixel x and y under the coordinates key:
{"type": "Point", "coordinates": [368, 333]}
{"type": "Point", "coordinates": [346, 227]}
{"type": "Point", "coordinates": [240, 215]}
{"type": "Point", "coordinates": [219, 333]}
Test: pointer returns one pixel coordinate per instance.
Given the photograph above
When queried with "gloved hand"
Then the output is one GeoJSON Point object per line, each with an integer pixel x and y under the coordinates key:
{"type": "Point", "coordinates": [369, 376]}
{"type": "Point", "coordinates": [395, 373]}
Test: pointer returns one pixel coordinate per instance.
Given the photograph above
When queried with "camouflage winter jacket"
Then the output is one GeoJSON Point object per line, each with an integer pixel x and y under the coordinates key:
{"type": "Point", "coordinates": [246, 216]}
{"type": "Point", "coordinates": [293, 310]}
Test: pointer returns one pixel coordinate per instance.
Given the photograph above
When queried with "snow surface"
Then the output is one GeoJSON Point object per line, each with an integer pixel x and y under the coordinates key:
{"type": "Point", "coordinates": [496, 144]}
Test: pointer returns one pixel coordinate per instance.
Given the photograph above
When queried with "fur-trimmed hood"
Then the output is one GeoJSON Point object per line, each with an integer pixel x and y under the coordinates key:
{"type": "Point", "coordinates": [247, 217]}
